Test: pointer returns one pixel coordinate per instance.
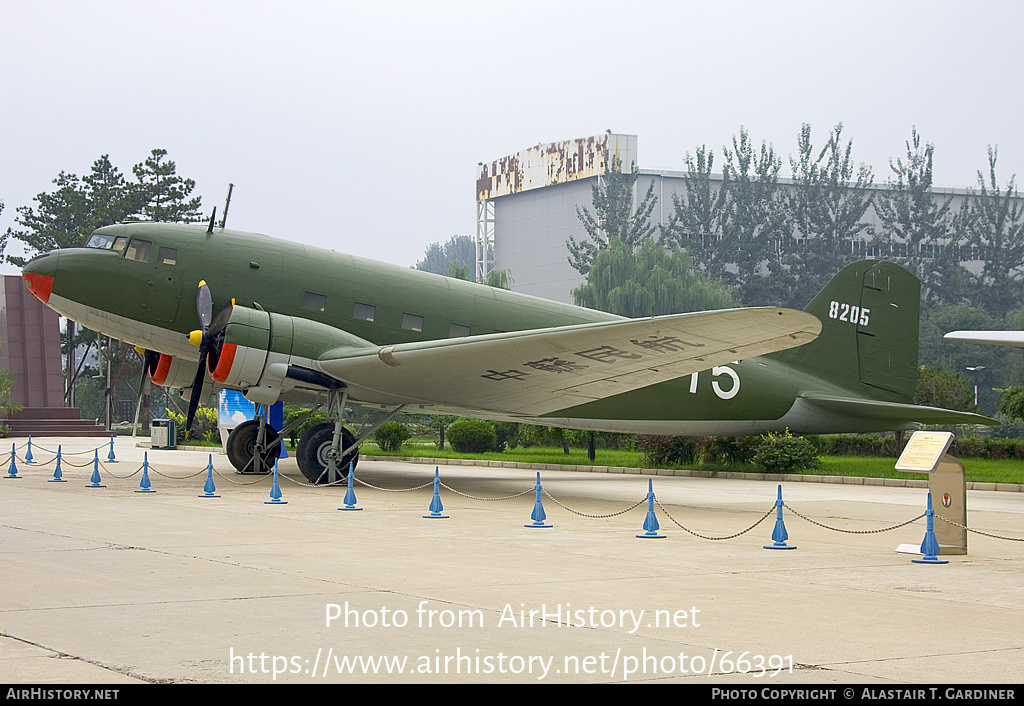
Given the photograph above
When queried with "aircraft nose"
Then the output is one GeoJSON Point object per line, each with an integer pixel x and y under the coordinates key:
{"type": "Point", "coordinates": [39, 274]}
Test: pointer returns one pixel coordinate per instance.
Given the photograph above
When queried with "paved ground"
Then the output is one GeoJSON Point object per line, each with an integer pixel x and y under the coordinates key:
{"type": "Point", "coordinates": [106, 585]}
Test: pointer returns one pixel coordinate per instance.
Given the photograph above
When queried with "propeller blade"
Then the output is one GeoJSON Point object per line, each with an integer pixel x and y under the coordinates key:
{"type": "Point", "coordinates": [197, 391]}
{"type": "Point", "coordinates": [215, 336]}
{"type": "Point", "coordinates": [204, 305]}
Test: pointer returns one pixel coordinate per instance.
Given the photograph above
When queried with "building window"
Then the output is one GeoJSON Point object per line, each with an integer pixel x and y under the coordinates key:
{"type": "Point", "coordinates": [138, 250]}
{"type": "Point", "coordinates": [314, 301]}
{"type": "Point", "coordinates": [457, 331]}
{"type": "Point", "coordinates": [363, 312]}
{"type": "Point", "coordinates": [167, 256]}
{"type": "Point", "coordinates": [411, 322]}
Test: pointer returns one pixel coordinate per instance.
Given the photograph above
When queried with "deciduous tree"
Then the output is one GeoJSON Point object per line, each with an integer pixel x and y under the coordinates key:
{"type": "Point", "coordinates": [649, 281]}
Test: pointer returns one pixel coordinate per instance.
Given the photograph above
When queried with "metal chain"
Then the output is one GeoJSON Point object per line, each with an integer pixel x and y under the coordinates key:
{"type": "Point", "coordinates": [164, 475]}
{"type": "Point", "coordinates": [235, 482]}
{"type": "Point", "coordinates": [695, 534]}
{"type": "Point", "coordinates": [69, 453]}
{"type": "Point", "coordinates": [341, 482]}
{"type": "Point", "coordinates": [393, 490]}
{"type": "Point", "coordinates": [474, 497]}
{"type": "Point", "coordinates": [986, 534]}
{"type": "Point", "coordinates": [114, 475]}
{"type": "Point", "coordinates": [599, 517]}
{"type": "Point", "coordinates": [839, 529]}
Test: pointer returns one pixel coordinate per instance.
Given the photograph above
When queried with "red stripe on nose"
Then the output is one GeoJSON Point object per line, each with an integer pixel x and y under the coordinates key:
{"type": "Point", "coordinates": [39, 285]}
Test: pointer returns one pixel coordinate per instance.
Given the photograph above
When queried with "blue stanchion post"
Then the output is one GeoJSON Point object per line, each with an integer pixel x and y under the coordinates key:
{"type": "Point", "coordinates": [930, 545]}
{"type": "Point", "coordinates": [144, 485]}
{"type": "Point", "coordinates": [110, 456]}
{"type": "Point", "coordinates": [12, 471]}
{"type": "Point", "coordinates": [58, 477]}
{"type": "Point", "coordinates": [209, 490]}
{"type": "Point", "coordinates": [651, 522]}
{"type": "Point", "coordinates": [779, 534]}
{"type": "Point", "coordinates": [275, 491]}
{"type": "Point", "coordinates": [538, 516]}
{"type": "Point", "coordinates": [28, 453]}
{"type": "Point", "coordinates": [436, 508]}
{"type": "Point", "coordinates": [350, 494]}
{"type": "Point", "coordinates": [94, 480]}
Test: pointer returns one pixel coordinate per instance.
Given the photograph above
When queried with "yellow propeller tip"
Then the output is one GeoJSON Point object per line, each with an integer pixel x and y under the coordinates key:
{"type": "Point", "coordinates": [202, 283]}
{"type": "Point", "coordinates": [196, 338]}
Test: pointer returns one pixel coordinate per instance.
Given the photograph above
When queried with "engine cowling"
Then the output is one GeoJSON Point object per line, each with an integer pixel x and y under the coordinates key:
{"type": "Point", "coordinates": [265, 354]}
{"type": "Point", "coordinates": [174, 372]}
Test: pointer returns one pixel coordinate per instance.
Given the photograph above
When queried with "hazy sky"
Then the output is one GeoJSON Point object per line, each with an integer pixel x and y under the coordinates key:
{"type": "Point", "coordinates": [358, 126]}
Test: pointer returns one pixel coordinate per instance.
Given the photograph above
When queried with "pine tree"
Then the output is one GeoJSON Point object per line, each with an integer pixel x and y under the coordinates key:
{"type": "Point", "coordinates": [165, 194]}
{"type": "Point", "coordinates": [613, 215]}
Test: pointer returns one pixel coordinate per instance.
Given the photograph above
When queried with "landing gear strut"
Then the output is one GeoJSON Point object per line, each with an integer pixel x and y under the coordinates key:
{"type": "Point", "coordinates": [326, 451]}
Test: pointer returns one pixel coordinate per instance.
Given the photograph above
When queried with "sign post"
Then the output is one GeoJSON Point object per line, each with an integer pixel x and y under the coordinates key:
{"type": "Point", "coordinates": [926, 453]}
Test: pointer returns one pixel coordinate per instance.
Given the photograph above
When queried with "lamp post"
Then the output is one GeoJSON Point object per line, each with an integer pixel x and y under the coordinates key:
{"type": "Point", "coordinates": [974, 369]}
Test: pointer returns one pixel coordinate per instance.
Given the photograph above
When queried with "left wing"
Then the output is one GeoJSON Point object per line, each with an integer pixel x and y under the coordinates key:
{"type": "Point", "coordinates": [543, 370]}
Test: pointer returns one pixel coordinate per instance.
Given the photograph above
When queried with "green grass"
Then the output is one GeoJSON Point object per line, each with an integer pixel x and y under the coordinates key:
{"type": "Point", "coordinates": [977, 470]}
{"type": "Point", "coordinates": [533, 454]}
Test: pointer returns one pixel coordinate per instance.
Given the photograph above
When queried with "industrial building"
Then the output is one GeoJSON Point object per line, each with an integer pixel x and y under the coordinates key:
{"type": "Point", "coordinates": [527, 209]}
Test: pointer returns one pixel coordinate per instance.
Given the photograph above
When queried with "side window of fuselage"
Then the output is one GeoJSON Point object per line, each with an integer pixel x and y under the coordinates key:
{"type": "Point", "coordinates": [167, 256]}
{"type": "Point", "coordinates": [363, 312]}
{"type": "Point", "coordinates": [138, 250]}
{"type": "Point", "coordinates": [314, 301]}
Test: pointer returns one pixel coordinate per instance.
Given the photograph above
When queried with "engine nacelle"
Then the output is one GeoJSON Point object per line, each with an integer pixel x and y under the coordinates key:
{"type": "Point", "coordinates": [174, 372]}
{"type": "Point", "coordinates": [262, 353]}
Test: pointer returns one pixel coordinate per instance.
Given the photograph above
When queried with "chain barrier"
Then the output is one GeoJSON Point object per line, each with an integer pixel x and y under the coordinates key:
{"type": "Point", "coordinates": [696, 534]}
{"type": "Point", "coordinates": [474, 497]}
{"type": "Point", "coordinates": [848, 531]}
{"type": "Point", "coordinates": [596, 517]}
{"type": "Point", "coordinates": [231, 480]}
{"type": "Point", "coordinates": [114, 475]}
{"type": "Point", "coordinates": [344, 480]}
{"type": "Point", "coordinates": [393, 490]}
{"type": "Point", "coordinates": [985, 534]}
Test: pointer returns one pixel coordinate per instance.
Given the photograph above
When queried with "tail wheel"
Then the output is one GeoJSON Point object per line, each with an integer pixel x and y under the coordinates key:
{"type": "Point", "coordinates": [313, 453]}
{"type": "Point", "coordinates": [241, 446]}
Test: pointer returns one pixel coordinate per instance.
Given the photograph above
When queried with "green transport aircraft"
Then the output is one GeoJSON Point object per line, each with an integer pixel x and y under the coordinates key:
{"type": "Point", "coordinates": [280, 320]}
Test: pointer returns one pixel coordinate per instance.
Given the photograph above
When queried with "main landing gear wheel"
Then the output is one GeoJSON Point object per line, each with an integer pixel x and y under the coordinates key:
{"type": "Point", "coordinates": [313, 453]}
{"type": "Point", "coordinates": [241, 447]}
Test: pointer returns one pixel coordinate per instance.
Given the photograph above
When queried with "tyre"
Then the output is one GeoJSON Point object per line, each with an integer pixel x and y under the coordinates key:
{"type": "Point", "coordinates": [241, 446]}
{"type": "Point", "coordinates": [313, 450]}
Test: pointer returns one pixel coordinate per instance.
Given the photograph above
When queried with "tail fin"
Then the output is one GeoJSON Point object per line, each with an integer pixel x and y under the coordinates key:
{"type": "Point", "coordinates": [870, 316]}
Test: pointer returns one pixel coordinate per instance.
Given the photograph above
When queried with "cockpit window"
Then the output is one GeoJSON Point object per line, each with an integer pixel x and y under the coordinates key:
{"type": "Point", "coordinates": [108, 242]}
{"type": "Point", "coordinates": [138, 250]}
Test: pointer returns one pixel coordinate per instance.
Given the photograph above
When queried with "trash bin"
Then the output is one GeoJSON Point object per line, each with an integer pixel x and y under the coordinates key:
{"type": "Point", "coordinates": [162, 434]}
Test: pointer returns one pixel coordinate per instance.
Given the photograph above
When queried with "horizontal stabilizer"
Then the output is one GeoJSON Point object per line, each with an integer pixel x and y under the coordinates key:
{"type": "Point", "coordinates": [1014, 339]}
{"type": "Point", "coordinates": [542, 370]}
{"type": "Point", "coordinates": [895, 411]}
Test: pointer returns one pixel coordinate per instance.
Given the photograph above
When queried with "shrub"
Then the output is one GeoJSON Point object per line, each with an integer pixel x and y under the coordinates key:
{"type": "Point", "coordinates": [391, 435]}
{"type": "Point", "coordinates": [472, 436]}
{"type": "Point", "coordinates": [785, 453]}
{"type": "Point", "coordinates": [204, 425]}
{"type": "Point", "coordinates": [667, 450]}
{"type": "Point", "coordinates": [293, 412]}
